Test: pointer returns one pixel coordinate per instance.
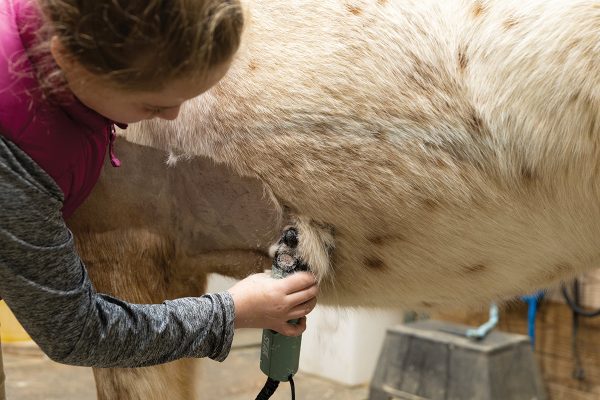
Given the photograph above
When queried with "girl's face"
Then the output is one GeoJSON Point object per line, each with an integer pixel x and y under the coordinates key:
{"type": "Point", "coordinates": [125, 106]}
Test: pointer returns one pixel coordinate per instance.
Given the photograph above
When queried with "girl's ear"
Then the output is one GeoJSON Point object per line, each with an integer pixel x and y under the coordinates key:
{"type": "Point", "coordinates": [60, 54]}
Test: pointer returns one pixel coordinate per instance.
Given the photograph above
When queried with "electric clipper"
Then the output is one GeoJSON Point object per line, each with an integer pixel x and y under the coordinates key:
{"type": "Point", "coordinates": [280, 354]}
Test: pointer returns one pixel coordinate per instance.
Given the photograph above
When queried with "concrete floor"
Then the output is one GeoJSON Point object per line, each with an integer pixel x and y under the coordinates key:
{"type": "Point", "coordinates": [32, 376]}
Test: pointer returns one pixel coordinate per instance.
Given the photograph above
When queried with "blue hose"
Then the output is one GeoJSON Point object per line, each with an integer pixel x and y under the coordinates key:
{"type": "Point", "coordinates": [532, 301]}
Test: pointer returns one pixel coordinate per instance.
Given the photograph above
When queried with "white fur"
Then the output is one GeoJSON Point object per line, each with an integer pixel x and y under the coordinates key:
{"type": "Point", "coordinates": [451, 146]}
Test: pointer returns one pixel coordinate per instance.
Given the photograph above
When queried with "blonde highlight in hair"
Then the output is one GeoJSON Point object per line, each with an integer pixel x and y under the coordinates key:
{"type": "Point", "coordinates": [142, 45]}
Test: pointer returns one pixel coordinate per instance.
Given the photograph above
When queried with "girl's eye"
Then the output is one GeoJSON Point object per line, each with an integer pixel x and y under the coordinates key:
{"type": "Point", "coordinates": [153, 110]}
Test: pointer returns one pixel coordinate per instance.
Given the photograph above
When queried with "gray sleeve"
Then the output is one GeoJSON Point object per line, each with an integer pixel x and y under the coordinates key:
{"type": "Point", "coordinates": [44, 282]}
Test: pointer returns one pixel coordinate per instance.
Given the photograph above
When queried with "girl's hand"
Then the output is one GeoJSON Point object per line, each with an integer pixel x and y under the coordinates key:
{"type": "Point", "coordinates": [263, 302]}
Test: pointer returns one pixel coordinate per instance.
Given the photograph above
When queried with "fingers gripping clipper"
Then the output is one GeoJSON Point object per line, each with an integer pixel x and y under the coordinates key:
{"type": "Point", "coordinates": [280, 354]}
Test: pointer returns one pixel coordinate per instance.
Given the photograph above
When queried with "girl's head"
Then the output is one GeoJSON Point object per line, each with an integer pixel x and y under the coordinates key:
{"type": "Point", "coordinates": [138, 59]}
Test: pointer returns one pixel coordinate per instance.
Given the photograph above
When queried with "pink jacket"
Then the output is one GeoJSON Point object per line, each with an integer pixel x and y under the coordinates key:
{"type": "Point", "coordinates": [68, 141]}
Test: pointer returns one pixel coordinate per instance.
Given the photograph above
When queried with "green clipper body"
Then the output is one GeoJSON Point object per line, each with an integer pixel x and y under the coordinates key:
{"type": "Point", "coordinates": [280, 354]}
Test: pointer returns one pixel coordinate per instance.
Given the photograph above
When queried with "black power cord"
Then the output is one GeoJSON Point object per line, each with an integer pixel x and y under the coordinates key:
{"type": "Point", "coordinates": [292, 388]}
{"type": "Point", "coordinates": [268, 390]}
{"type": "Point", "coordinates": [271, 386]}
{"type": "Point", "coordinates": [574, 303]}
{"type": "Point", "coordinates": [578, 372]}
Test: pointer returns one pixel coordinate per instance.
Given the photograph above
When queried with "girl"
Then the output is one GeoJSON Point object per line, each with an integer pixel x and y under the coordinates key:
{"type": "Point", "coordinates": [69, 71]}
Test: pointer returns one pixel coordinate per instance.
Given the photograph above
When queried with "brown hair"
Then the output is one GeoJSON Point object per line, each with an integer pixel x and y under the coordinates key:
{"type": "Point", "coordinates": [143, 44]}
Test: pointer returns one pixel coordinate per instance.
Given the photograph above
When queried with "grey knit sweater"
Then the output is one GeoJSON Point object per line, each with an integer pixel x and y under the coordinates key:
{"type": "Point", "coordinates": [45, 283]}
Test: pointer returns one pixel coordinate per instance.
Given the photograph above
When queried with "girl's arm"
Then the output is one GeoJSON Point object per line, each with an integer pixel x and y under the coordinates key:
{"type": "Point", "coordinates": [46, 285]}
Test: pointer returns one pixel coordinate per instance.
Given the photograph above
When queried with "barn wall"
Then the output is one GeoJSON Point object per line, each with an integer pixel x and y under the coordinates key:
{"type": "Point", "coordinates": [553, 341]}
